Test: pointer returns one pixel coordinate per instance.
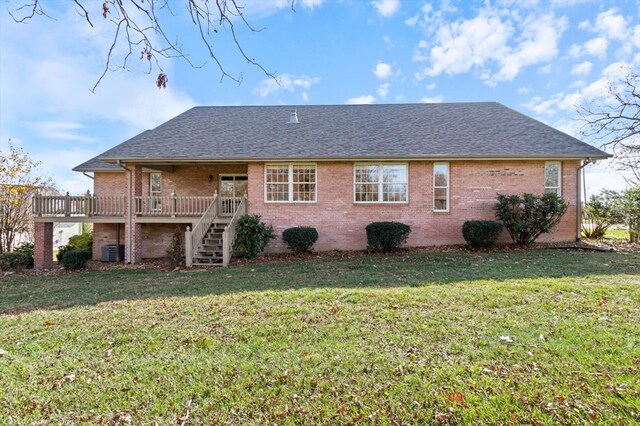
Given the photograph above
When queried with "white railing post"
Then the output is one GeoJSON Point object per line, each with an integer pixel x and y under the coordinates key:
{"type": "Point", "coordinates": [188, 248]}
{"type": "Point", "coordinates": [67, 205]}
{"type": "Point", "coordinates": [226, 253]}
{"type": "Point", "coordinates": [173, 204]}
{"type": "Point", "coordinates": [87, 204]}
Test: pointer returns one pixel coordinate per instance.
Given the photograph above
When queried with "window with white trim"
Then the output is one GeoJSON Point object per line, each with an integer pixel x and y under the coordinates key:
{"type": "Point", "coordinates": [290, 183]}
{"type": "Point", "coordinates": [441, 187]}
{"type": "Point", "coordinates": [381, 183]}
{"type": "Point", "coordinates": [553, 177]}
{"type": "Point", "coordinates": [155, 190]}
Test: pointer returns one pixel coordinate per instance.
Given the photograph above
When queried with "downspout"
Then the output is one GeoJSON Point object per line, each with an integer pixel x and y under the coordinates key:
{"type": "Point", "coordinates": [129, 211]}
{"type": "Point", "coordinates": [89, 176]}
{"type": "Point", "coordinates": [579, 179]}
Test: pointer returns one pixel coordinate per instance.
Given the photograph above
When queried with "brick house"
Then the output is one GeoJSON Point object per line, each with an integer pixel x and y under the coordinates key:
{"type": "Point", "coordinates": [336, 168]}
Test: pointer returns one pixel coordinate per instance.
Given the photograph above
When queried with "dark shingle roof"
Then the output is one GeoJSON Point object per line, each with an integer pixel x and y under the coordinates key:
{"type": "Point", "coordinates": [95, 165]}
{"type": "Point", "coordinates": [447, 130]}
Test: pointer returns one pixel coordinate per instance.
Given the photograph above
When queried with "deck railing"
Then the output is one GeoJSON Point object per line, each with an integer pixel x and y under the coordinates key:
{"type": "Point", "coordinates": [194, 237]}
{"type": "Point", "coordinates": [229, 233]}
{"type": "Point", "coordinates": [88, 205]}
{"type": "Point", "coordinates": [79, 205]}
{"type": "Point", "coordinates": [172, 205]}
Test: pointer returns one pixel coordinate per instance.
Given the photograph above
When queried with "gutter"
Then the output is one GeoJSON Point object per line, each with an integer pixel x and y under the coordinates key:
{"type": "Point", "coordinates": [129, 212]}
{"type": "Point", "coordinates": [89, 176]}
{"type": "Point", "coordinates": [579, 188]}
{"type": "Point", "coordinates": [183, 160]}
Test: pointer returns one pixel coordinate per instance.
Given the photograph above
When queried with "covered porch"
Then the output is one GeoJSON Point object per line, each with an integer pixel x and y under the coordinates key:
{"type": "Point", "coordinates": [141, 206]}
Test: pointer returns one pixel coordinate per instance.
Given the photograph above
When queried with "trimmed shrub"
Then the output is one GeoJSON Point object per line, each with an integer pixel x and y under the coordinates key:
{"type": "Point", "coordinates": [27, 250]}
{"type": "Point", "coordinates": [14, 261]}
{"type": "Point", "coordinates": [528, 216]}
{"type": "Point", "coordinates": [175, 250]}
{"type": "Point", "coordinates": [75, 259]}
{"type": "Point", "coordinates": [300, 239]}
{"type": "Point", "coordinates": [481, 233]}
{"type": "Point", "coordinates": [82, 242]}
{"type": "Point", "coordinates": [62, 250]}
{"type": "Point", "coordinates": [386, 236]}
{"type": "Point", "coordinates": [252, 235]}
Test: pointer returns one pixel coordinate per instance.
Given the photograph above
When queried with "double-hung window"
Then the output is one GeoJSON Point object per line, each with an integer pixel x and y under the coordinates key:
{"type": "Point", "coordinates": [441, 187]}
{"type": "Point", "coordinates": [290, 183]}
{"type": "Point", "coordinates": [553, 177]}
{"type": "Point", "coordinates": [155, 191]}
{"type": "Point", "coordinates": [381, 183]}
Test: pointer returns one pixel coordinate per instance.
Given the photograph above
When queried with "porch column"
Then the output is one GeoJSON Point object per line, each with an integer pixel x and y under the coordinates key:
{"type": "Point", "coordinates": [136, 228]}
{"type": "Point", "coordinates": [43, 245]}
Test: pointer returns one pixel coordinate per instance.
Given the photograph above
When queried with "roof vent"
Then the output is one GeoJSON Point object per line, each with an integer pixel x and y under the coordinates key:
{"type": "Point", "coordinates": [293, 118]}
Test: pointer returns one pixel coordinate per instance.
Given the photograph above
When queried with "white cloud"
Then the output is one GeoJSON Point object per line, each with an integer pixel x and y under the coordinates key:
{"type": "Point", "coordinates": [612, 25]}
{"type": "Point", "coordinates": [462, 44]}
{"type": "Point", "coordinates": [411, 22]}
{"type": "Point", "coordinates": [582, 68]}
{"type": "Point", "coordinates": [431, 86]}
{"type": "Point", "coordinates": [538, 43]}
{"type": "Point", "coordinates": [433, 100]}
{"type": "Point", "coordinates": [286, 82]}
{"type": "Point", "coordinates": [386, 8]}
{"type": "Point", "coordinates": [383, 90]}
{"type": "Point", "coordinates": [358, 100]}
{"type": "Point", "coordinates": [485, 41]}
{"type": "Point", "coordinates": [596, 47]}
{"type": "Point", "coordinates": [62, 130]}
{"type": "Point", "coordinates": [382, 70]}
{"type": "Point", "coordinates": [568, 3]}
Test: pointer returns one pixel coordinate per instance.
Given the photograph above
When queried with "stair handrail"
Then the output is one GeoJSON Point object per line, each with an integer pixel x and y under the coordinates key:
{"type": "Point", "coordinates": [200, 229]}
{"type": "Point", "coordinates": [229, 233]}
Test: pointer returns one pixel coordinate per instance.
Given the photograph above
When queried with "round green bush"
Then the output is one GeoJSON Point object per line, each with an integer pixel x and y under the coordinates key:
{"type": "Point", "coordinates": [481, 233]}
{"type": "Point", "coordinates": [27, 250]}
{"type": "Point", "coordinates": [14, 261]}
{"type": "Point", "coordinates": [75, 259]}
{"type": "Point", "coordinates": [386, 236]}
{"type": "Point", "coordinates": [300, 239]}
{"type": "Point", "coordinates": [252, 235]}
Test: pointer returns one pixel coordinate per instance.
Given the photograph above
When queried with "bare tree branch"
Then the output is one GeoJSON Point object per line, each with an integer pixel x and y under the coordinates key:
{"type": "Point", "coordinates": [143, 24]}
{"type": "Point", "coordinates": [615, 122]}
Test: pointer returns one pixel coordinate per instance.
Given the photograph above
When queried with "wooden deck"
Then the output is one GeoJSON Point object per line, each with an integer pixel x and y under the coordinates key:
{"type": "Point", "coordinates": [113, 209]}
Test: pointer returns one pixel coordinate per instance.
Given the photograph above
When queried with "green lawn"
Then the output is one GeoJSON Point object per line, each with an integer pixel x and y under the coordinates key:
{"type": "Point", "coordinates": [522, 337]}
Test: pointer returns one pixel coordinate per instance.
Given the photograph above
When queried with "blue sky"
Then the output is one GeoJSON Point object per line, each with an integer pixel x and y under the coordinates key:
{"type": "Point", "coordinates": [539, 57]}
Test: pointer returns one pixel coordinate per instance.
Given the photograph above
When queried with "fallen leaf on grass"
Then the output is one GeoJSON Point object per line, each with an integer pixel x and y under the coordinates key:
{"type": "Point", "coordinates": [66, 379]}
{"type": "Point", "coordinates": [444, 417]}
{"type": "Point", "coordinates": [49, 323]}
{"type": "Point", "coordinates": [3, 352]}
{"type": "Point", "coordinates": [506, 339]}
{"type": "Point", "coordinates": [335, 309]}
{"type": "Point", "coordinates": [456, 397]}
{"type": "Point", "coordinates": [120, 418]}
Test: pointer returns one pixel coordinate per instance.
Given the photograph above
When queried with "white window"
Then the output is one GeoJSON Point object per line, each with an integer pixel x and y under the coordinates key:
{"type": "Point", "coordinates": [381, 183]}
{"type": "Point", "coordinates": [290, 183]}
{"type": "Point", "coordinates": [553, 177]}
{"type": "Point", "coordinates": [155, 191]}
{"type": "Point", "coordinates": [441, 187]}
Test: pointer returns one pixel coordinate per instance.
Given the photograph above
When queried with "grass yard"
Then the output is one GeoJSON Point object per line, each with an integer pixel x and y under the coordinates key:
{"type": "Point", "coordinates": [522, 337]}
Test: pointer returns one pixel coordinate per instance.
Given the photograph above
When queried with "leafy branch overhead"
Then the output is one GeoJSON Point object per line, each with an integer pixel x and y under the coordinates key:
{"type": "Point", "coordinates": [615, 122]}
{"type": "Point", "coordinates": [145, 27]}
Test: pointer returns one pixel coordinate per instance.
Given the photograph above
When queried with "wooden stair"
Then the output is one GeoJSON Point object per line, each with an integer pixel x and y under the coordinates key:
{"type": "Point", "coordinates": [209, 252]}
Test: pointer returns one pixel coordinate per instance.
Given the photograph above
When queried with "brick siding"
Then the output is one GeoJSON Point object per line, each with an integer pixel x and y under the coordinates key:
{"type": "Point", "coordinates": [340, 221]}
{"type": "Point", "coordinates": [473, 187]}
